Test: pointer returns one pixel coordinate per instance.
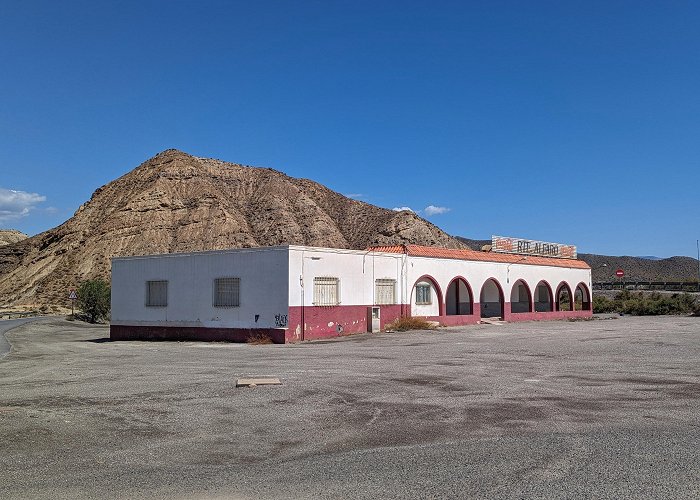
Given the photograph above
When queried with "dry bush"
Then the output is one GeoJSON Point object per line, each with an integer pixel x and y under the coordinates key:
{"type": "Point", "coordinates": [405, 323]}
{"type": "Point", "coordinates": [259, 339]}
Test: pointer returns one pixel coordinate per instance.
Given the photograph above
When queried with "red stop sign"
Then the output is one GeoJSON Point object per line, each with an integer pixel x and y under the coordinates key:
{"type": "Point", "coordinates": [619, 273]}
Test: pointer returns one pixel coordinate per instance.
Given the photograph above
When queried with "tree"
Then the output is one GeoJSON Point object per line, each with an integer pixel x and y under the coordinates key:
{"type": "Point", "coordinates": [94, 298]}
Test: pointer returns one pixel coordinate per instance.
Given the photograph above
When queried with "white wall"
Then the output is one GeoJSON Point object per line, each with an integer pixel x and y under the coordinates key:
{"type": "Point", "coordinates": [478, 272]}
{"type": "Point", "coordinates": [432, 309]}
{"type": "Point", "coordinates": [272, 278]}
{"type": "Point", "coordinates": [356, 269]}
{"type": "Point", "coordinates": [263, 289]}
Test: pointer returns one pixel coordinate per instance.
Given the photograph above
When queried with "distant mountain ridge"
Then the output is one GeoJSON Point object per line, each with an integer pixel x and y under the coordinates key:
{"type": "Point", "coordinates": [176, 202]}
{"type": "Point", "coordinates": [635, 268]}
{"type": "Point", "coordinates": [10, 236]}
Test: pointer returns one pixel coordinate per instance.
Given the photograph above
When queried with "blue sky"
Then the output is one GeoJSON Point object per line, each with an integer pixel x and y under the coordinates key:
{"type": "Point", "coordinates": [576, 122]}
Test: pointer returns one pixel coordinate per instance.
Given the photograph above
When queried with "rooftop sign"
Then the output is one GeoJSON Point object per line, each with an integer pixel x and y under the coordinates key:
{"type": "Point", "coordinates": [503, 244]}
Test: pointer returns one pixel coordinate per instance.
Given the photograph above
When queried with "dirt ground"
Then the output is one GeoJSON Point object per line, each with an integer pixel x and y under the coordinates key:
{"type": "Point", "coordinates": [588, 409]}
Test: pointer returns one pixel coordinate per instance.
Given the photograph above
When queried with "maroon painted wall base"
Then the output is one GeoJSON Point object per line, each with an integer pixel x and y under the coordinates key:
{"type": "Point", "coordinates": [312, 322]}
{"type": "Point", "coordinates": [319, 322]}
{"type": "Point", "coordinates": [122, 332]}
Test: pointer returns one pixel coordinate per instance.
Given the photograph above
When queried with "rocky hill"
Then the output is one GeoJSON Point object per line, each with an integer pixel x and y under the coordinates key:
{"type": "Point", "coordinates": [176, 202]}
{"type": "Point", "coordinates": [641, 269]}
{"type": "Point", "coordinates": [9, 236]}
{"type": "Point", "coordinates": [636, 268]}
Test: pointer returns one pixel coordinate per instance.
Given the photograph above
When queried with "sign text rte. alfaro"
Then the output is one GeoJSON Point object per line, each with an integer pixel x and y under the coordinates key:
{"type": "Point", "coordinates": [531, 247]}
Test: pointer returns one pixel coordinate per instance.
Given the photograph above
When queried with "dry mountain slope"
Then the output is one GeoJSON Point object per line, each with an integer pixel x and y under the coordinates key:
{"type": "Point", "coordinates": [176, 202]}
{"type": "Point", "coordinates": [9, 236]}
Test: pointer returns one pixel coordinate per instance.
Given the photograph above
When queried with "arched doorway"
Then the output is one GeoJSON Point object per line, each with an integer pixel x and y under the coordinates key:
{"type": "Point", "coordinates": [543, 297]}
{"type": "Point", "coordinates": [426, 297]}
{"type": "Point", "coordinates": [582, 299]}
{"type": "Point", "coordinates": [520, 298]}
{"type": "Point", "coordinates": [564, 302]}
{"type": "Point", "coordinates": [491, 299]}
{"type": "Point", "coordinates": [458, 299]}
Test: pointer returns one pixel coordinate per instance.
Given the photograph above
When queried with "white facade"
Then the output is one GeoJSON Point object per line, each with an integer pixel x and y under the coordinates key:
{"type": "Point", "coordinates": [356, 270]}
{"type": "Point", "coordinates": [314, 292]}
{"type": "Point", "coordinates": [263, 273]}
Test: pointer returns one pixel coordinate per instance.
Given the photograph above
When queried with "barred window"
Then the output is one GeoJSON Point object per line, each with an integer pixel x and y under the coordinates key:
{"type": "Point", "coordinates": [227, 292]}
{"type": "Point", "coordinates": [423, 295]}
{"type": "Point", "coordinates": [385, 291]}
{"type": "Point", "coordinates": [157, 293]}
{"type": "Point", "coordinates": [326, 291]}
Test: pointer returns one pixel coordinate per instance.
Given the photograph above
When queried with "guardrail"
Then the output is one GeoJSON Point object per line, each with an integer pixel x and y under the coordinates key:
{"type": "Point", "coordinates": [669, 286]}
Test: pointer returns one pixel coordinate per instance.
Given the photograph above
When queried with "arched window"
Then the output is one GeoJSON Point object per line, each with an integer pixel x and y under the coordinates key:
{"type": "Point", "coordinates": [458, 299]}
{"type": "Point", "coordinates": [491, 299]}
{"type": "Point", "coordinates": [424, 294]}
{"type": "Point", "coordinates": [426, 297]}
{"type": "Point", "coordinates": [520, 300]}
{"type": "Point", "coordinates": [564, 300]}
{"type": "Point", "coordinates": [543, 297]}
{"type": "Point", "coordinates": [582, 298]}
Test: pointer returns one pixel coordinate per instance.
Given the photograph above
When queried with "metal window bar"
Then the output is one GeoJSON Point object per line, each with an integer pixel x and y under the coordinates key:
{"type": "Point", "coordinates": [326, 291]}
{"type": "Point", "coordinates": [227, 292]}
{"type": "Point", "coordinates": [423, 294]}
{"type": "Point", "coordinates": [385, 291]}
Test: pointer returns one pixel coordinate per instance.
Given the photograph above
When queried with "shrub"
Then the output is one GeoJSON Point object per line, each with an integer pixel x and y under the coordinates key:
{"type": "Point", "coordinates": [405, 323]}
{"type": "Point", "coordinates": [652, 304]}
{"type": "Point", "coordinates": [259, 339]}
{"type": "Point", "coordinates": [602, 304]}
{"type": "Point", "coordinates": [94, 299]}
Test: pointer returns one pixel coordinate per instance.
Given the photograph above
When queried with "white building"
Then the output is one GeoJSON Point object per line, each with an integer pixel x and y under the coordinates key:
{"type": "Point", "coordinates": [294, 293]}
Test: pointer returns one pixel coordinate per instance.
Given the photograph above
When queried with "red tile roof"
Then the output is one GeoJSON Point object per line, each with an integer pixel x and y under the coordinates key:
{"type": "Point", "coordinates": [467, 254]}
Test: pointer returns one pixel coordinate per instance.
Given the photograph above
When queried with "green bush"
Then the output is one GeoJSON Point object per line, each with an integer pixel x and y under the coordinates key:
{"type": "Point", "coordinates": [602, 304]}
{"type": "Point", "coordinates": [652, 304]}
{"type": "Point", "coordinates": [94, 298]}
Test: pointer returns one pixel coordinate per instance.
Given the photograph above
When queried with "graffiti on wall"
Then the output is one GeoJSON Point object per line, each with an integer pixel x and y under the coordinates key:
{"type": "Point", "coordinates": [280, 320]}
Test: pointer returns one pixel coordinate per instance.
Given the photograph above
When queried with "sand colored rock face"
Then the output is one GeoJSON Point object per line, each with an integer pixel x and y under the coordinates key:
{"type": "Point", "coordinates": [176, 202]}
{"type": "Point", "coordinates": [10, 236]}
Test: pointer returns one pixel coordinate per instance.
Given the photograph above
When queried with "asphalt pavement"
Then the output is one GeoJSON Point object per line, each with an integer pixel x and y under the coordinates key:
{"type": "Point", "coordinates": [7, 325]}
{"type": "Point", "coordinates": [586, 409]}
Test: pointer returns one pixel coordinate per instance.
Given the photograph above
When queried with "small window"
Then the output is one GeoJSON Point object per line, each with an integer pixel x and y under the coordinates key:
{"type": "Point", "coordinates": [423, 294]}
{"type": "Point", "coordinates": [227, 292]}
{"type": "Point", "coordinates": [385, 291]}
{"type": "Point", "coordinates": [326, 291]}
{"type": "Point", "coordinates": [157, 293]}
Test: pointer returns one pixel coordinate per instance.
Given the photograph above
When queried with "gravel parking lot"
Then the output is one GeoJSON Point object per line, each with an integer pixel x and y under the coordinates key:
{"type": "Point", "coordinates": [598, 409]}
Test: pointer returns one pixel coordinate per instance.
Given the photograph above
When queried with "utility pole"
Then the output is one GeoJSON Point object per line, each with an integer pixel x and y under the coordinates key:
{"type": "Point", "coordinates": [697, 243]}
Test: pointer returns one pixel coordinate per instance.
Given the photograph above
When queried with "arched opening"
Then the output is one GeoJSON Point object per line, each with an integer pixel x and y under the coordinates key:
{"type": "Point", "coordinates": [458, 299]}
{"type": "Point", "coordinates": [491, 299]}
{"type": "Point", "coordinates": [543, 297]}
{"type": "Point", "coordinates": [564, 302]}
{"type": "Point", "coordinates": [520, 299]}
{"type": "Point", "coordinates": [582, 299]}
{"type": "Point", "coordinates": [426, 297]}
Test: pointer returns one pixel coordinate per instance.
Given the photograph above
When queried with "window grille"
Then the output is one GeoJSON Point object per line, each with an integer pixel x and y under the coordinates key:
{"type": "Point", "coordinates": [157, 293]}
{"type": "Point", "coordinates": [227, 292]}
{"type": "Point", "coordinates": [423, 295]}
{"type": "Point", "coordinates": [385, 291]}
{"type": "Point", "coordinates": [326, 291]}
